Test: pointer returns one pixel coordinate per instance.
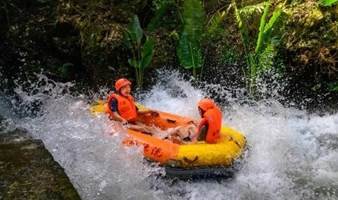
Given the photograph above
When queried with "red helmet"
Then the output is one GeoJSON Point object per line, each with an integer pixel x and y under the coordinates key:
{"type": "Point", "coordinates": [121, 83]}
{"type": "Point", "coordinates": [206, 104]}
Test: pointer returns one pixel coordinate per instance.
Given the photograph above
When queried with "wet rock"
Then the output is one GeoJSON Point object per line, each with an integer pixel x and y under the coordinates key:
{"type": "Point", "coordinates": [28, 171]}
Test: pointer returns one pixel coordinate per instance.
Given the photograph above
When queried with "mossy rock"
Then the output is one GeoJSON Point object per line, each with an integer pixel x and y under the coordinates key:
{"type": "Point", "coordinates": [28, 171]}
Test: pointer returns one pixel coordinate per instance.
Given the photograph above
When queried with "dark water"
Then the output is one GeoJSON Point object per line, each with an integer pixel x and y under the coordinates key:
{"type": "Point", "coordinates": [293, 155]}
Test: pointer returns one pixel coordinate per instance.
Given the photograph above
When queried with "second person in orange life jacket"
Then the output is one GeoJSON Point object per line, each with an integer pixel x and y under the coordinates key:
{"type": "Point", "coordinates": [210, 125]}
{"type": "Point", "coordinates": [208, 129]}
{"type": "Point", "coordinates": [121, 105]}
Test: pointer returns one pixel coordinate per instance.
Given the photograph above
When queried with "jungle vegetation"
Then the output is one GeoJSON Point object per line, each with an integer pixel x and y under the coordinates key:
{"type": "Point", "coordinates": [97, 40]}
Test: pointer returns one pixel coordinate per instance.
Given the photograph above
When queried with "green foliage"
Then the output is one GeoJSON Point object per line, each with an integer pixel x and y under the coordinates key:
{"type": "Point", "coordinates": [250, 10]}
{"type": "Point", "coordinates": [142, 54]}
{"type": "Point", "coordinates": [214, 28]}
{"type": "Point", "coordinates": [261, 34]}
{"type": "Point", "coordinates": [328, 2]}
{"type": "Point", "coordinates": [65, 70]}
{"type": "Point", "coordinates": [261, 58]}
{"type": "Point", "coordinates": [193, 16]}
{"type": "Point", "coordinates": [333, 87]}
{"type": "Point", "coordinates": [161, 7]}
{"type": "Point", "coordinates": [244, 38]}
{"type": "Point", "coordinates": [229, 55]}
{"type": "Point", "coordinates": [189, 49]}
{"type": "Point", "coordinates": [135, 31]}
{"type": "Point", "coordinates": [157, 4]}
{"type": "Point", "coordinates": [189, 53]}
{"type": "Point", "coordinates": [276, 15]}
{"type": "Point", "coordinates": [266, 57]}
{"type": "Point", "coordinates": [242, 28]}
{"type": "Point", "coordinates": [311, 32]}
{"type": "Point", "coordinates": [147, 52]}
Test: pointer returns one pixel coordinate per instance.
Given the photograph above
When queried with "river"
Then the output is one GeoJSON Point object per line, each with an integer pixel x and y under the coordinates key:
{"type": "Point", "coordinates": [292, 154]}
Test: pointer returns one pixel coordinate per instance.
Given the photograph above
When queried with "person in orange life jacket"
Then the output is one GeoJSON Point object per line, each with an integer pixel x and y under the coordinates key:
{"type": "Point", "coordinates": [210, 125]}
{"type": "Point", "coordinates": [208, 128]}
{"type": "Point", "coordinates": [121, 106]}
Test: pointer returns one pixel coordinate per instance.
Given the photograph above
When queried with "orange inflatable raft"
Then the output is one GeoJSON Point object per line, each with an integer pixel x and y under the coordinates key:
{"type": "Point", "coordinates": [184, 156]}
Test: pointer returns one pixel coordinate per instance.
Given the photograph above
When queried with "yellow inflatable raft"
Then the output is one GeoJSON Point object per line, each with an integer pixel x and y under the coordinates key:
{"type": "Point", "coordinates": [185, 156]}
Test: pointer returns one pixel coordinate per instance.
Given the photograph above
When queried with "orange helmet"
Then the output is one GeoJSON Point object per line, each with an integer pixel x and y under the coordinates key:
{"type": "Point", "coordinates": [121, 83]}
{"type": "Point", "coordinates": [206, 104]}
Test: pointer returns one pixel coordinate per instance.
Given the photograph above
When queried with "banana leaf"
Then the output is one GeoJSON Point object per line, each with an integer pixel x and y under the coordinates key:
{"type": "Point", "coordinates": [189, 52]}
{"type": "Point", "coordinates": [135, 31]}
{"type": "Point", "coordinates": [134, 63]}
{"type": "Point", "coordinates": [193, 16]}
{"type": "Point", "coordinates": [147, 52]}
{"type": "Point", "coordinates": [127, 40]}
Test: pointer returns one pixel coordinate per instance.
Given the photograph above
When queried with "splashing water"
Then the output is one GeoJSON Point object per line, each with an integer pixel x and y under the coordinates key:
{"type": "Point", "coordinates": [293, 155]}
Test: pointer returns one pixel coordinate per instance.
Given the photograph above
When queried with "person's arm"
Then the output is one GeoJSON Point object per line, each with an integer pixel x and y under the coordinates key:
{"type": "Point", "coordinates": [116, 116]}
{"type": "Point", "coordinates": [202, 134]}
{"type": "Point", "coordinates": [201, 131]}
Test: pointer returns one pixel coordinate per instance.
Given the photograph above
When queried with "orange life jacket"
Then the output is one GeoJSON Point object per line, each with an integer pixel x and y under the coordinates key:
{"type": "Point", "coordinates": [125, 106]}
{"type": "Point", "coordinates": [212, 117]}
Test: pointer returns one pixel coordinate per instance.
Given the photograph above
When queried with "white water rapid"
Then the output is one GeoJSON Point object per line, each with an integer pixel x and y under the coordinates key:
{"type": "Point", "coordinates": [292, 154]}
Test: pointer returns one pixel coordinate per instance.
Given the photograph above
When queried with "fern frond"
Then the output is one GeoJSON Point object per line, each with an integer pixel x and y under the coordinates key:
{"type": "Point", "coordinates": [250, 10]}
{"type": "Point", "coordinates": [215, 22]}
{"type": "Point", "coordinates": [273, 20]}
{"type": "Point", "coordinates": [266, 58]}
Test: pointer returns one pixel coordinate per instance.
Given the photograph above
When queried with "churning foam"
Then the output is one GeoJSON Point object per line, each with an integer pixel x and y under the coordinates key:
{"type": "Point", "coordinates": [293, 155]}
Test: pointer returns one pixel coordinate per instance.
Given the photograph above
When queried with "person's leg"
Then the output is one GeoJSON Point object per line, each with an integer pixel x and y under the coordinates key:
{"type": "Point", "coordinates": [171, 133]}
{"type": "Point", "coordinates": [182, 134]}
{"type": "Point", "coordinates": [186, 131]}
{"type": "Point", "coordinates": [142, 128]}
{"type": "Point", "coordinates": [178, 134]}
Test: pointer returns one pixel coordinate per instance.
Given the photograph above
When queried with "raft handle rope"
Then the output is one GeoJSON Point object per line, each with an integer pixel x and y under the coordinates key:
{"type": "Point", "coordinates": [171, 121]}
{"type": "Point", "coordinates": [235, 141]}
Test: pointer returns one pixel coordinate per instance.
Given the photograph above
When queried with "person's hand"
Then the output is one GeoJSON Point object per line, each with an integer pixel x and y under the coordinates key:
{"type": "Point", "coordinates": [124, 122]}
{"type": "Point", "coordinates": [193, 137]}
{"type": "Point", "coordinates": [194, 122]}
{"type": "Point", "coordinates": [151, 113]}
